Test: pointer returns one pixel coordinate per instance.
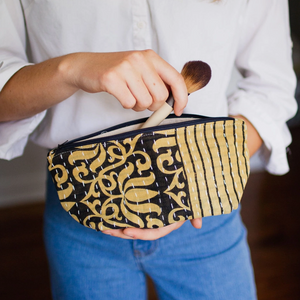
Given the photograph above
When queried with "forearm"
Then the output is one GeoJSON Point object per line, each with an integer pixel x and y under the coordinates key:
{"type": "Point", "coordinates": [35, 88]}
{"type": "Point", "coordinates": [254, 140]}
{"type": "Point", "coordinates": [137, 79]}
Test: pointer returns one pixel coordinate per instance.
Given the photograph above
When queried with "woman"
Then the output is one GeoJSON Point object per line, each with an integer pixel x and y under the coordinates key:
{"type": "Point", "coordinates": [79, 50]}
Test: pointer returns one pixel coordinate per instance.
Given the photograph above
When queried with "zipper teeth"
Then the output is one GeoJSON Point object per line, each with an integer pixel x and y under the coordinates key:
{"type": "Point", "coordinates": [130, 123]}
{"type": "Point", "coordinates": [78, 142]}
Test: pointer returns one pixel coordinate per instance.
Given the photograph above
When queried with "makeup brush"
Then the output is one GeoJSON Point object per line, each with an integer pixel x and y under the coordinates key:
{"type": "Point", "coordinates": [196, 75]}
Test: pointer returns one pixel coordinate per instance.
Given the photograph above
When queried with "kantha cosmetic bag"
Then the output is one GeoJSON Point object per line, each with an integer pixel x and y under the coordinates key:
{"type": "Point", "coordinates": [188, 167]}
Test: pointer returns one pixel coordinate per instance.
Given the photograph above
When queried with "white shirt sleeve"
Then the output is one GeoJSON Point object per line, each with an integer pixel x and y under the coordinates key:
{"type": "Point", "coordinates": [13, 135]}
{"type": "Point", "coordinates": [266, 92]}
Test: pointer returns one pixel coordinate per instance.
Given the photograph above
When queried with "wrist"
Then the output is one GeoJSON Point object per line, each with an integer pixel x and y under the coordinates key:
{"type": "Point", "coordinates": [68, 70]}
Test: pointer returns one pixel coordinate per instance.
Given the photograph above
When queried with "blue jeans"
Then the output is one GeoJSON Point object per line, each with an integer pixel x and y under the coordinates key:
{"type": "Point", "coordinates": [209, 263]}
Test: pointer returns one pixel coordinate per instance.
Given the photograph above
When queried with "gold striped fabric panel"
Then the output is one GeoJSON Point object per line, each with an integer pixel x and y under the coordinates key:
{"type": "Point", "coordinates": [216, 163]}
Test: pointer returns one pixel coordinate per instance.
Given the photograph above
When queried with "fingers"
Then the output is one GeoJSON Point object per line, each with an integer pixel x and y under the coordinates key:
{"type": "Point", "coordinates": [122, 92]}
{"type": "Point", "coordinates": [151, 234]}
{"type": "Point", "coordinates": [148, 90]}
{"type": "Point", "coordinates": [179, 92]}
{"type": "Point", "coordinates": [140, 80]}
{"type": "Point", "coordinates": [175, 81]}
{"type": "Point", "coordinates": [157, 89]}
{"type": "Point", "coordinates": [143, 234]}
{"type": "Point", "coordinates": [134, 93]}
{"type": "Point", "coordinates": [117, 233]}
{"type": "Point", "coordinates": [144, 82]}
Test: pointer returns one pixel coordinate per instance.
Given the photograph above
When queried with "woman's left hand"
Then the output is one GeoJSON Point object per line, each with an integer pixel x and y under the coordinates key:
{"type": "Point", "coordinates": [149, 234]}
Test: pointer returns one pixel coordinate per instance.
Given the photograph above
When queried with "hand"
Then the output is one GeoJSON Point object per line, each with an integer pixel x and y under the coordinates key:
{"type": "Point", "coordinates": [149, 234]}
{"type": "Point", "coordinates": [138, 79]}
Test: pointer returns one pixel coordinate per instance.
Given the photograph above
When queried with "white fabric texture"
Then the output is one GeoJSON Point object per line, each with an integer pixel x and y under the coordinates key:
{"type": "Point", "coordinates": [251, 34]}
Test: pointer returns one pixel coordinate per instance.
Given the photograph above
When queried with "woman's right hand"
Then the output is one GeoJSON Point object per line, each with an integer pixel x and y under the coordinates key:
{"type": "Point", "coordinates": [138, 79]}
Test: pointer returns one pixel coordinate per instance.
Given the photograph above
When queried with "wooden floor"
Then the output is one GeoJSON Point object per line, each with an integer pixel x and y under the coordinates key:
{"type": "Point", "coordinates": [270, 209]}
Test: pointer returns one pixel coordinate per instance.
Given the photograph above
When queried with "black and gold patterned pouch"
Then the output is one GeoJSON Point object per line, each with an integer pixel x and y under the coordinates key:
{"type": "Point", "coordinates": [187, 167]}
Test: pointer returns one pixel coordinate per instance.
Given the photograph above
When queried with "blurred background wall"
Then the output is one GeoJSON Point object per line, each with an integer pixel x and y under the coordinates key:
{"type": "Point", "coordinates": [22, 180]}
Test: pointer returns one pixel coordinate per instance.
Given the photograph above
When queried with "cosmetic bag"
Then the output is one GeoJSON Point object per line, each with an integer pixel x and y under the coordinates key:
{"type": "Point", "coordinates": [188, 167]}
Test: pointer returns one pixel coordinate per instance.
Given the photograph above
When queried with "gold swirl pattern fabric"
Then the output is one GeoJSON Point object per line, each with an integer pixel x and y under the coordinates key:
{"type": "Point", "coordinates": [154, 178]}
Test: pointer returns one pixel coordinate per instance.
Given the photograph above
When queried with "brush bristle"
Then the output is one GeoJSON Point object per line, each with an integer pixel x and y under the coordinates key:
{"type": "Point", "coordinates": [196, 75]}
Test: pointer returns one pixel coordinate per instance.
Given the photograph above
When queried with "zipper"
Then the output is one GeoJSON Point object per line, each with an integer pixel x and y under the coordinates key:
{"type": "Point", "coordinates": [81, 141]}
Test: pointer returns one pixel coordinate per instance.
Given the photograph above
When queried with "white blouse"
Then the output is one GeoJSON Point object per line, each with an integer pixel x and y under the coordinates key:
{"type": "Point", "coordinates": [251, 34]}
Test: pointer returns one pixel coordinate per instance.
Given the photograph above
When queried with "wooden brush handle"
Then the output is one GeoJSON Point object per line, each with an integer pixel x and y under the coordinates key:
{"type": "Point", "coordinates": [158, 116]}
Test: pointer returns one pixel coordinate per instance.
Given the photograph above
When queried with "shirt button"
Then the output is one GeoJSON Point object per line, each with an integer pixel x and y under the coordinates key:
{"type": "Point", "coordinates": [140, 25]}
